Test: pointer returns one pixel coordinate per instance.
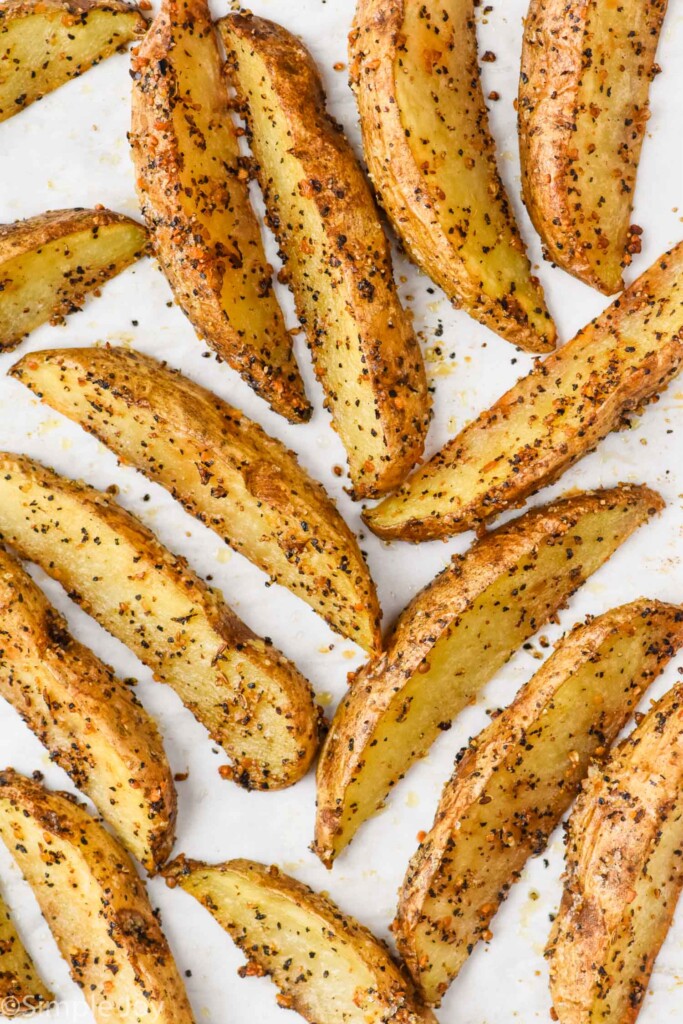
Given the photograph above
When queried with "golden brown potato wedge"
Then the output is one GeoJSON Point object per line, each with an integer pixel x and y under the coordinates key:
{"type": "Point", "coordinates": [415, 72]}
{"type": "Point", "coordinates": [90, 721]}
{"type": "Point", "coordinates": [193, 188]}
{"type": "Point", "coordinates": [624, 874]}
{"type": "Point", "coordinates": [239, 481]}
{"type": "Point", "coordinates": [95, 905]}
{"type": "Point", "coordinates": [49, 262]}
{"type": "Point", "coordinates": [450, 641]}
{"type": "Point", "coordinates": [552, 417]}
{"type": "Point", "coordinates": [583, 107]}
{"type": "Point", "coordinates": [518, 778]}
{"type": "Point", "coordinates": [22, 990]}
{"type": "Point", "coordinates": [44, 43]}
{"type": "Point", "coordinates": [328, 968]}
{"type": "Point", "coordinates": [252, 700]}
{"type": "Point", "coordinates": [338, 262]}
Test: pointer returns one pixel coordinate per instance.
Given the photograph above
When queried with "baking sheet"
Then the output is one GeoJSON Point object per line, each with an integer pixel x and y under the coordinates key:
{"type": "Point", "coordinates": [70, 149]}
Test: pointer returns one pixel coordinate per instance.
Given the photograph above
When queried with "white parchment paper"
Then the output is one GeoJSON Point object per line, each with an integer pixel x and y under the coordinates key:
{"type": "Point", "coordinates": [71, 150]}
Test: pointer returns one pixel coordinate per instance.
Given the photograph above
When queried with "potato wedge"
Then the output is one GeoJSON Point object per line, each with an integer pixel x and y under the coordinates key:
{"type": "Point", "coordinates": [251, 699]}
{"type": "Point", "coordinates": [338, 261]}
{"type": "Point", "coordinates": [95, 905]}
{"type": "Point", "coordinates": [90, 721]}
{"type": "Point", "coordinates": [193, 189]}
{"type": "Point", "coordinates": [415, 73]}
{"type": "Point", "coordinates": [44, 43]}
{"type": "Point", "coordinates": [550, 418]}
{"type": "Point", "coordinates": [518, 778]}
{"type": "Point", "coordinates": [452, 638]}
{"type": "Point", "coordinates": [49, 262]}
{"type": "Point", "coordinates": [22, 990]}
{"type": "Point", "coordinates": [583, 107]}
{"type": "Point", "coordinates": [224, 469]}
{"type": "Point", "coordinates": [328, 968]}
{"type": "Point", "coordinates": [624, 874]}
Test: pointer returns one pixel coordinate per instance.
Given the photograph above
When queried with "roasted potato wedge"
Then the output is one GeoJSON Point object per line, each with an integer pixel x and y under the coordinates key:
{"type": "Point", "coordinates": [550, 418]}
{"type": "Point", "coordinates": [95, 905]}
{"type": "Point", "coordinates": [518, 778]}
{"type": "Point", "coordinates": [338, 261]}
{"type": "Point", "coordinates": [328, 968]}
{"type": "Point", "coordinates": [251, 699]}
{"type": "Point", "coordinates": [452, 638]}
{"type": "Point", "coordinates": [583, 107]}
{"type": "Point", "coordinates": [415, 73]}
{"type": "Point", "coordinates": [90, 721]}
{"type": "Point", "coordinates": [624, 874]}
{"type": "Point", "coordinates": [239, 481]}
{"type": "Point", "coordinates": [22, 990]}
{"type": "Point", "coordinates": [193, 188]}
{"type": "Point", "coordinates": [44, 43]}
{"type": "Point", "coordinates": [49, 262]}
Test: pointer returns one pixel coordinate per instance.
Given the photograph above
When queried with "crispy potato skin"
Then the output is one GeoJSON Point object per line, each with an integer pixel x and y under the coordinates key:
{"type": "Point", "coordinates": [415, 73]}
{"type": "Point", "coordinates": [550, 418]}
{"type": "Point", "coordinates": [243, 484]}
{"type": "Point", "coordinates": [49, 262]}
{"type": "Point", "coordinates": [44, 43]}
{"type": "Point", "coordinates": [624, 874]}
{"type": "Point", "coordinates": [95, 906]}
{"type": "Point", "coordinates": [22, 990]}
{"type": "Point", "coordinates": [338, 261]}
{"type": "Point", "coordinates": [89, 721]}
{"type": "Point", "coordinates": [193, 189]}
{"type": "Point", "coordinates": [583, 108]}
{"type": "Point", "coordinates": [452, 638]}
{"type": "Point", "coordinates": [327, 966]}
{"type": "Point", "coordinates": [252, 700]}
{"type": "Point", "coordinates": [518, 777]}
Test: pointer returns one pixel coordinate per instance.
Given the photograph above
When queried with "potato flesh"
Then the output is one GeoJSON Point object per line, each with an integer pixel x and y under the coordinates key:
{"type": "Point", "coordinates": [253, 702]}
{"type": "Point", "coordinates": [43, 49]}
{"type": "Point", "coordinates": [51, 281]}
{"type": "Point", "coordinates": [243, 484]}
{"type": "Point", "coordinates": [88, 720]}
{"type": "Point", "coordinates": [550, 418]}
{"type": "Point", "coordinates": [581, 144]}
{"type": "Point", "coordinates": [330, 971]}
{"type": "Point", "coordinates": [624, 874]}
{"type": "Point", "coordinates": [646, 921]}
{"type": "Point", "coordinates": [473, 855]}
{"type": "Point", "coordinates": [194, 193]}
{"type": "Point", "coordinates": [444, 116]}
{"type": "Point", "coordinates": [405, 703]}
{"type": "Point", "coordinates": [338, 261]}
{"type": "Point", "coordinates": [97, 909]}
{"type": "Point", "coordinates": [20, 983]}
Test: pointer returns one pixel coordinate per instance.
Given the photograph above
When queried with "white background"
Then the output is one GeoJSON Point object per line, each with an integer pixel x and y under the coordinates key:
{"type": "Point", "coordinates": [71, 150]}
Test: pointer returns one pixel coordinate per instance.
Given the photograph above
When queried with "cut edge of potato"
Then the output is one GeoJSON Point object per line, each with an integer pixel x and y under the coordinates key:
{"type": "Point", "coordinates": [517, 778]}
{"type": "Point", "coordinates": [252, 700]}
{"type": "Point", "coordinates": [240, 482]}
{"type": "Point", "coordinates": [73, 36]}
{"type": "Point", "coordinates": [321, 959]}
{"type": "Point", "coordinates": [580, 143]}
{"type": "Point", "coordinates": [193, 186]}
{"type": "Point", "coordinates": [89, 720]}
{"type": "Point", "coordinates": [550, 418]}
{"type": "Point", "coordinates": [414, 69]}
{"type": "Point", "coordinates": [94, 903]}
{"type": "Point", "coordinates": [48, 263]}
{"type": "Point", "coordinates": [624, 873]}
{"type": "Point", "coordinates": [398, 703]}
{"type": "Point", "coordinates": [338, 261]}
